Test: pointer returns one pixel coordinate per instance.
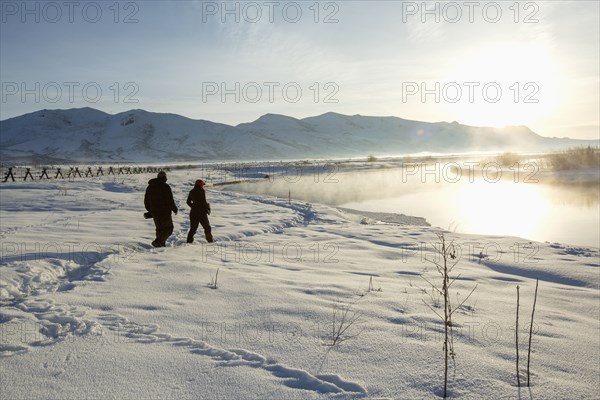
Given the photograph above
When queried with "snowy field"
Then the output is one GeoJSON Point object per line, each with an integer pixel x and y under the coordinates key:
{"type": "Point", "coordinates": [91, 310]}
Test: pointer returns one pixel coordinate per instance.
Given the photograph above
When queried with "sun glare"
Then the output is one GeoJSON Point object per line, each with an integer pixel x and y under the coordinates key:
{"type": "Point", "coordinates": [499, 208]}
{"type": "Point", "coordinates": [505, 85]}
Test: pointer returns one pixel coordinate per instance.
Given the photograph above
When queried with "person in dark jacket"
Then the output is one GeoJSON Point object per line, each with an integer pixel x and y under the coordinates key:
{"type": "Point", "coordinates": [159, 202]}
{"type": "Point", "coordinates": [199, 212]}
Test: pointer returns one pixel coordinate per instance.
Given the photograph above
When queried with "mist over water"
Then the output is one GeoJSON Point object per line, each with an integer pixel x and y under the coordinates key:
{"type": "Point", "coordinates": [509, 204]}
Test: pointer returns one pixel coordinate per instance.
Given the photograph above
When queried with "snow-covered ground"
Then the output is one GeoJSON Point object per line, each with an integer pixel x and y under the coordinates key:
{"type": "Point", "coordinates": [90, 310]}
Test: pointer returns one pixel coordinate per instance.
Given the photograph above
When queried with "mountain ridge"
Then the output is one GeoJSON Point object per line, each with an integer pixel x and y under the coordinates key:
{"type": "Point", "coordinates": [88, 134]}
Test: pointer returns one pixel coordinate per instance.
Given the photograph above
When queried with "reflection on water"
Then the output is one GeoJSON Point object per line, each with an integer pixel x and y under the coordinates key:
{"type": "Point", "coordinates": [557, 212]}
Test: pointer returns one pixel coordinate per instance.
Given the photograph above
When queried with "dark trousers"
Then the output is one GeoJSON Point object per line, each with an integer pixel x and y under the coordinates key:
{"type": "Point", "coordinates": [164, 229]}
{"type": "Point", "coordinates": [199, 219]}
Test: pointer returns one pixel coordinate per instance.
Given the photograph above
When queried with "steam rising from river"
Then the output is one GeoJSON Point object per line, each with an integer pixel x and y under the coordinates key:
{"type": "Point", "coordinates": [471, 197]}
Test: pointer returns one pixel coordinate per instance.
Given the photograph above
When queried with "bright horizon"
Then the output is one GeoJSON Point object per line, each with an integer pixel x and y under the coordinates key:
{"type": "Point", "coordinates": [538, 62]}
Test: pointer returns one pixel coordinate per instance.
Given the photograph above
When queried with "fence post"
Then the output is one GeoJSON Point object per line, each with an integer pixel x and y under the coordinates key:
{"type": "Point", "coordinates": [58, 173]}
{"type": "Point", "coordinates": [99, 171]}
{"type": "Point", "coordinates": [9, 174]}
{"type": "Point", "coordinates": [44, 173]}
{"type": "Point", "coordinates": [28, 173]}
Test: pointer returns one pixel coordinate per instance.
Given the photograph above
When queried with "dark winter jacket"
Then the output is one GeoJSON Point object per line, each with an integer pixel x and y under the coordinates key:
{"type": "Point", "coordinates": [197, 201]}
{"type": "Point", "coordinates": [159, 198]}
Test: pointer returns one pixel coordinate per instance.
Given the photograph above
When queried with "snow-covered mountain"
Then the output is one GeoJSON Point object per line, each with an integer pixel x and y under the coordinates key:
{"type": "Point", "coordinates": [87, 134]}
{"type": "Point", "coordinates": [91, 135]}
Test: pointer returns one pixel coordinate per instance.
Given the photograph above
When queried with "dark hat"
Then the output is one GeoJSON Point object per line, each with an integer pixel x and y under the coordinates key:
{"type": "Point", "coordinates": [162, 174]}
{"type": "Point", "coordinates": [200, 183]}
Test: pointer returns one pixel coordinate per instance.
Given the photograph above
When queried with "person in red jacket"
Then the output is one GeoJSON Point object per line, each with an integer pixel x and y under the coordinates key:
{"type": "Point", "coordinates": [200, 210]}
{"type": "Point", "coordinates": [159, 202]}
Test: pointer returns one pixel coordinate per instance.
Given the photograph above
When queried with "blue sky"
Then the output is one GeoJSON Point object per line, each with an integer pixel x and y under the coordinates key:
{"type": "Point", "coordinates": [535, 64]}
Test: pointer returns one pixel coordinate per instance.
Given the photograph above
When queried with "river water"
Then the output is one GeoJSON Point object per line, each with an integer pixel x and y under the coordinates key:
{"type": "Point", "coordinates": [481, 202]}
